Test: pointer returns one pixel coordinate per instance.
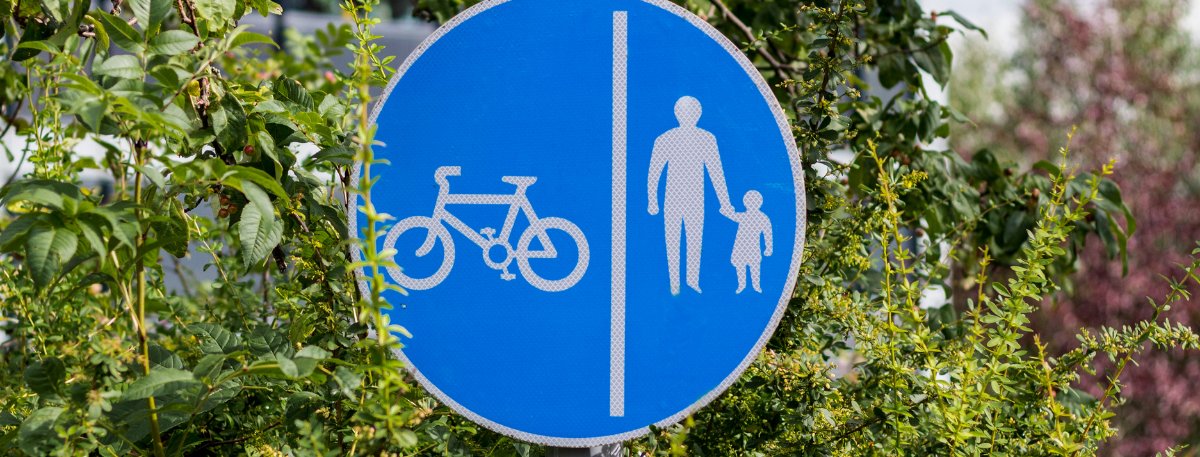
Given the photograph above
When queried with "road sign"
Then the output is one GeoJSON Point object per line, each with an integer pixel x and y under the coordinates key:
{"type": "Point", "coordinates": [599, 215]}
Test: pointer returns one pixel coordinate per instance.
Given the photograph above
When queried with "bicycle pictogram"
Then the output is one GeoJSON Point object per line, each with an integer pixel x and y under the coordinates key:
{"type": "Point", "coordinates": [486, 238]}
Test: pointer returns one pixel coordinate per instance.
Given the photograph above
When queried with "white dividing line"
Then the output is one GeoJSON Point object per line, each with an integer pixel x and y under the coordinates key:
{"type": "Point", "coordinates": [616, 364]}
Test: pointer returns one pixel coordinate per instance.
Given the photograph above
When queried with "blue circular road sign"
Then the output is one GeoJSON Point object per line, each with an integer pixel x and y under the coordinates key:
{"type": "Point", "coordinates": [599, 215]}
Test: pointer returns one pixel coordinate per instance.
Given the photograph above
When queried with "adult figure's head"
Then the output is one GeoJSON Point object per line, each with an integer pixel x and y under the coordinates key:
{"type": "Point", "coordinates": [687, 111]}
{"type": "Point", "coordinates": [752, 200]}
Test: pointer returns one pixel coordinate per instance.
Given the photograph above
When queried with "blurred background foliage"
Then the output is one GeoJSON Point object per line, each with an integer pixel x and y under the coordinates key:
{"type": "Point", "coordinates": [1126, 73]}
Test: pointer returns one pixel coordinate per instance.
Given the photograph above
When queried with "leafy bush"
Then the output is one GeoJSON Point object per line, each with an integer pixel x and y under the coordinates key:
{"type": "Point", "coordinates": [283, 354]}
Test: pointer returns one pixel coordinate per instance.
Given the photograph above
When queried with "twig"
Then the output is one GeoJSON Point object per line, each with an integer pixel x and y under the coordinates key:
{"type": "Point", "coordinates": [750, 36]}
{"type": "Point", "coordinates": [931, 45]}
{"type": "Point", "coordinates": [832, 53]}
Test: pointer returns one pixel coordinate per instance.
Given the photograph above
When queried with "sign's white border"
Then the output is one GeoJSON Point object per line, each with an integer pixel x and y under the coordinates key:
{"type": "Point", "coordinates": [797, 174]}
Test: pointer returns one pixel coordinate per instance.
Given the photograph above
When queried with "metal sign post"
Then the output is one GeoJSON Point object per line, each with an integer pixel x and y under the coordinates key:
{"type": "Point", "coordinates": [599, 216]}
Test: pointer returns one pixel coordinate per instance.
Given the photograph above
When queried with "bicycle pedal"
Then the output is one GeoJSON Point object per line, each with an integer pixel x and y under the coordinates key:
{"type": "Point", "coordinates": [508, 276]}
{"type": "Point", "coordinates": [488, 232]}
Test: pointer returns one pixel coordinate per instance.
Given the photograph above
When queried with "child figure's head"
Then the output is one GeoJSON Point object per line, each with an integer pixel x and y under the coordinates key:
{"type": "Point", "coordinates": [752, 200]}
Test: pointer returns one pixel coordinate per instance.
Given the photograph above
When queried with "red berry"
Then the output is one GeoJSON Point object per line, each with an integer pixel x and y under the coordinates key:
{"type": "Point", "coordinates": [249, 150]}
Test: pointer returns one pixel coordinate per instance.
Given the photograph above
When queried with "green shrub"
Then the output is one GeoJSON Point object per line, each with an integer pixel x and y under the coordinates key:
{"type": "Point", "coordinates": [276, 356]}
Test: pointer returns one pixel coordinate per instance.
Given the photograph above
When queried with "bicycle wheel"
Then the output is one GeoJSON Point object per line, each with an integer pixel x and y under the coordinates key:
{"type": "Point", "coordinates": [523, 254]}
{"type": "Point", "coordinates": [436, 230]}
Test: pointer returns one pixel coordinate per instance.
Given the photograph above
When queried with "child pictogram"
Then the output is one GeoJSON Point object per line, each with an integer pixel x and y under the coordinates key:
{"type": "Point", "coordinates": [746, 253]}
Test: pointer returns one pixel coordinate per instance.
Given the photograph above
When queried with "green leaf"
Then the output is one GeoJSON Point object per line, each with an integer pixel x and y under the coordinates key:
{"type": "Point", "coordinates": [266, 7]}
{"type": "Point", "coordinates": [347, 381]}
{"type": "Point", "coordinates": [177, 230]}
{"type": "Point", "coordinates": [37, 435]}
{"type": "Point", "coordinates": [41, 45]}
{"type": "Point", "coordinates": [209, 367]}
{"type": "Point", "coordinates": [12, 434]}
{"type": "Point", "coordinates": [34, 31]}
{"type": "Point", "coordinates": [337, 155]}
{"type": "Point", "coordinates": [46, 377]}
{"type": "Point", "coordinates": [82, 83]}
{"type": "Point", "coordinates": [45, 247]}
{"type": "Point", "coordinates": [301, 406]}
{"type": "Point", "coordinates": [1111, 201]}
{"type": "Point", "coordinates": [891, 70]}
{"type": "Point", "coordinates": [54, 8]}
{"type": "Point", "coordinates": [13, 236]}
{"type": "Point", "coordinates": [1050, 168]}
{"type": "Point", "coordinates": [313, 352]}
{"type": "Point", "coordinates": [1122, 244]}
{"type": "Point", "coordinates": [102, 39]}
{"type": "Point", "coordinates": [164, 358]}
{"type": "Point", "coordinates": [150, 13]}
{"type": "Point", "coordinates": [965, 23]}
{"type": "Point", "coordinates": [229, 123]}
{"type": "Point", "coordinates": [121, 33]}
{"type": "Point", "coordinates": [958, 116]}
{"type": "Point", "coordinates": [41, 191]}
{"type": "Point", "coordinates": [270, 106]}
{"type": "Point", "coordinates": [289, 90]}
{"type": "Point", "coordinates": [122, 66]}
{"type": "Point", "coordinates": [933, 62]}
{"type": "Point", "coordinates": [216, 11]}
{"type": "Point", "coordinates": [159, 381]}
{"type": "Point", "coordinates": [173, 42]}
{"type": "Point", "coordinates": [288, 367]}
{"type": "Point", "coordinates": [265, 341]}
{"type": "Point", "coordinates": [330, 108]}
{"type": "Point", "coordinates": [91, 112]}
{"type": "Point", "coordinates": [245, 38]}
{"type": "Point", "coordinates": [222, 394]}
{"type": "Point", "coordinates": [214, 339]}
{"type": "Point", "coordinates": [262, 179]}
{"type": "Point", "coordinates": [931, 119]}
{"type": "Point", "coordinates": [257, 230]}
{"type": "Point", "coordinates": [154, 175]}
{"type": "Point", "coordinates": [93, 233]}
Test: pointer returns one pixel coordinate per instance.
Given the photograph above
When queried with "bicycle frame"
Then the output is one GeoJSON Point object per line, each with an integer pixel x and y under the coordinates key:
{"type": "Point", "coordinates": [516, 202]}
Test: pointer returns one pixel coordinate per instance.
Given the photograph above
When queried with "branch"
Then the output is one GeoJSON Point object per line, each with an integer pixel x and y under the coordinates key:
{"type": "Point", "coordinates": [832, 53]}
{"type": "Point", "coordinates": [750, 36]}
{"type": "Point", "coordinates": [933, 44]}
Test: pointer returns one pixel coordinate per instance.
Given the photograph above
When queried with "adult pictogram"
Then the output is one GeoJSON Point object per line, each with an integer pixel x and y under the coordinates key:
{"type": "Point", "coordinates": [686, 152]}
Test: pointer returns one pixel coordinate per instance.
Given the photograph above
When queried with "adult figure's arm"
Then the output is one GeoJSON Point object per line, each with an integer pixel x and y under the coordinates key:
{"type": "Point", "coordinates": [712, 161]}
{"type": "Point", "coordinates": [658, 161]}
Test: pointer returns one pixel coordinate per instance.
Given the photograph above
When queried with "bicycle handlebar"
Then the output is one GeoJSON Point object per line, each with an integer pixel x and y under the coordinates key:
{"type": "Point", "coordinates": [441, 174]}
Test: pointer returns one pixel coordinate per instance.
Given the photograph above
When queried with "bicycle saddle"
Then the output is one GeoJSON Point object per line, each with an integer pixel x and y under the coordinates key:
{"type": "Point", "coordinates": [522, 181]}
